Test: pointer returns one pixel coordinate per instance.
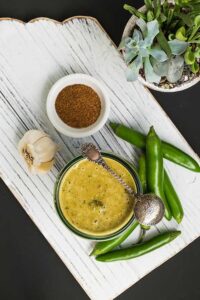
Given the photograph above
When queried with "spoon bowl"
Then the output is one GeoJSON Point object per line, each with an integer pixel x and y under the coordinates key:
{"type": "Point", "coordinates": [149, 209]}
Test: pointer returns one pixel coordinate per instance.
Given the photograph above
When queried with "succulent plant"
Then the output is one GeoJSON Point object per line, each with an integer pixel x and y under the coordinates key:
{"type": "Point", "coordinates": [138, 49]}
{"type": "Point", "coordinates": [172, 69]}
{"type": "Point", "coordinates": [166, 39]}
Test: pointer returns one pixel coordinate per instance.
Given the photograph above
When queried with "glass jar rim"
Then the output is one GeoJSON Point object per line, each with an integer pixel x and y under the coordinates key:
{"type": "Point", "coordinates": [62, 173]}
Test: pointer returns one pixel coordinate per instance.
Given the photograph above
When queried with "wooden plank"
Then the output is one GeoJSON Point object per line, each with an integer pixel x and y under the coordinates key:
{"type": "Point", "coordinates": [32, 57]}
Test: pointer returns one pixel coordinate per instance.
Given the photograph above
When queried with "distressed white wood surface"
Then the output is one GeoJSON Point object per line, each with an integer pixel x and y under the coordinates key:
{"type": "Point", "coordinates": [32, 57]}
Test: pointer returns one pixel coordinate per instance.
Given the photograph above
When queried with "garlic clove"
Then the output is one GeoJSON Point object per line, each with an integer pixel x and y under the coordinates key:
{"type": "Point", "coordinates": [38, 151]}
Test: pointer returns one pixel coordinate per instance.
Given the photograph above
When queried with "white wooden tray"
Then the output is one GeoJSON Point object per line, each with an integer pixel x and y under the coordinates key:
{"type": "Point", "coordinates": [32, 57]}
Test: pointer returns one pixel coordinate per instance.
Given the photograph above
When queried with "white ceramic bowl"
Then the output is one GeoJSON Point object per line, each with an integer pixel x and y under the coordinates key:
{"type": "Point", "coordinates": [90, 81]}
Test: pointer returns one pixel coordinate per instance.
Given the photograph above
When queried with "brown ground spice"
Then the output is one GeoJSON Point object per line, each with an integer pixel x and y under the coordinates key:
{"type": "Point", "coordinates": [78, 105]}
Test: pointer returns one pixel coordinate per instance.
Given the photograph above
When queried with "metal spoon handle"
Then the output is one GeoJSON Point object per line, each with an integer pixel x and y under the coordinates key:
{"type": "Point", "coordinates": [102, 162]}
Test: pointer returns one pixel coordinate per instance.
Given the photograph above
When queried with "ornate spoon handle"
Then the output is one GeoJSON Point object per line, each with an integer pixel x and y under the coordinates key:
{"type": "Point", "coordinates": [93, 154]}
{"type": "Point", "coordinates": [102, 163]}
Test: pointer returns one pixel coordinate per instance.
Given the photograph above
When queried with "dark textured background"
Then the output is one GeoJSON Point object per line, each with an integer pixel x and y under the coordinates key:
{"type": "Point", "coordinates": [29, 268]}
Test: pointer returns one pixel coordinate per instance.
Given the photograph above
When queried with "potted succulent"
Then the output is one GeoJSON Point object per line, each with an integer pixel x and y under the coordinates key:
{"type": "Point", "coordinates": [161, 44]}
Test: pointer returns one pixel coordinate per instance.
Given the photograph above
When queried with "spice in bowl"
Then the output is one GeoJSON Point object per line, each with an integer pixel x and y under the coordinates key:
{"type": "Point", "coordinates": [78, 105]}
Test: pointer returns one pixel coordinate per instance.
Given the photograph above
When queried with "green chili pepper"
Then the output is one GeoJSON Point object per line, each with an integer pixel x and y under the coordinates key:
{"type": "Point", "coordinates": [170, 193]}
{"type": "Point", "coordinates": [179, 157]}
{"type": "Point", "coordinates": [170, 152]}
{"type": "Point", "coordinates": [104, 247]}
{"type": "Point", "coordinates": [139, 249]}
{"type": "Point", "coordinates": [129, 134]}
{"type": "Point", "coordinates": [142, 172]}
{"type": "Point", "coordinates": [154, 168]}
{"type": "Point", "coordinates": [173, 199]}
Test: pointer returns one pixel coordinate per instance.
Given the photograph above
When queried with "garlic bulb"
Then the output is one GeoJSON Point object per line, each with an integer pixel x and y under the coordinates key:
{"type": "Point", "coordinates": [38, 151]}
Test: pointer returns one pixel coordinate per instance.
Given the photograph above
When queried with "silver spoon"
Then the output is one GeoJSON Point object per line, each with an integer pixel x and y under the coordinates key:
{"type": "Point", "coordinates": [148, 209]}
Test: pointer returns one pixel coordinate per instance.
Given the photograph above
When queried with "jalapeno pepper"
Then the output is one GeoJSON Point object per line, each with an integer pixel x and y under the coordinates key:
{"type": "Point", "coordinates": [170, 152]}
{"type": "Point", "coordinates": [173, 199]}
{"type": "Point", "coordinates": [139, 249]}
{"type": "Point", "coordinates": [155, 170]}
{"type": "Point", "coordinates": [142, 172]}
{"type": "Point", "coordinates": [143, 179]}
{"type": "Point", "coordinates": [169, 191]}
{"type": "Point", "coordinates": [104, 247]}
